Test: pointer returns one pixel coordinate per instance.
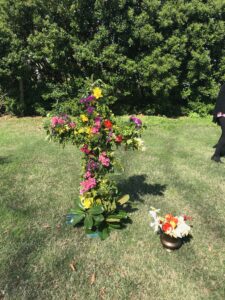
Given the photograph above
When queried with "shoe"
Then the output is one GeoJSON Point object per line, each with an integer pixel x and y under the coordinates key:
{"type": "Point", "coordinates": [215, 146]}
{"type": "Point", "coordinates": [216, 159]}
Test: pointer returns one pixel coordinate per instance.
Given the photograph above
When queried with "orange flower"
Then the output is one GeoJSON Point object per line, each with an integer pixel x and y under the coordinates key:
{"type": "Point", "coordinates": [168, 217]}
{"type": "Point", "coordinates": [174, 219]}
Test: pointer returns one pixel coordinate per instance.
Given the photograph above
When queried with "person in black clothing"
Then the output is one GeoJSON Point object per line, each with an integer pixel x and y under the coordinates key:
{"type": "Point", "coordinates": [219, 118]}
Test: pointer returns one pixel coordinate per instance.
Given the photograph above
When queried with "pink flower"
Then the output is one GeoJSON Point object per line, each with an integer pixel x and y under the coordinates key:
{"type": "Point", "coordinates": [54, 121]}
{"type": "Point", "coordinates": [61, 121]}
{"type": "Point", "coordinates": [119, 139]}
{"type": "Point", "coordinates": [98, 122]}
{"type": "Point", "coordinates": [94, 130]}
{"type": "Point", "coordinates": [105, 161]}
{"type": "Point", "coordinates": [87, 174]}
{"type": "Point", "coordinates": [72, 125]}
{"type": "Point", "coordinates": [87, 184]}
{"type": "Point", "coordinates": [85, 149]}
{"type": "Point", "coordinates": [57, 120]}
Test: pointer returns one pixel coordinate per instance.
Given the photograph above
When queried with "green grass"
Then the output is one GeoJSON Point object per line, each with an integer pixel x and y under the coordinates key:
{"type": "Point", "coordinates": [39, 182]}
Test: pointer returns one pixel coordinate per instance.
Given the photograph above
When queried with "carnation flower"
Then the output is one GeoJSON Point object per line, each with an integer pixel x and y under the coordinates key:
{"type": "Point", "coordinates": [105, 161]}
{"type": "Point", "coordinates": [87, 184]}
{"type": "Point", "coordinates": [57, 121]}
{"type": "Point", "coordinates": [87, 174]}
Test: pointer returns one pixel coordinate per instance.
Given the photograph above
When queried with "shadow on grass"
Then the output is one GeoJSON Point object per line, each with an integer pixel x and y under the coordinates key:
{"type": "Point", "coordinates": [17, 272]}
{"type": "Point", "coordinates": [187, 239]}
{"type": "Point", "coordinates": [136, 186]}
{"type": "Point", "coordinates": [4, 160]}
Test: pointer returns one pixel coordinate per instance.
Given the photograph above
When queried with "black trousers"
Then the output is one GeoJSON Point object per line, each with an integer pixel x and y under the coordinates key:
{"type": "Point", "coordinates": [221, 143]}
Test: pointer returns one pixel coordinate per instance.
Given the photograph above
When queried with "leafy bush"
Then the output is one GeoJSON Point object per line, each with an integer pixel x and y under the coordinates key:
{"type": "Point", "coordinates": [159, 57]}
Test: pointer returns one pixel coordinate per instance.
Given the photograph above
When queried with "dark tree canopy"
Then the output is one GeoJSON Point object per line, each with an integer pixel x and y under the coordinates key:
{"type": "Point", "coordinates": [159, 57]}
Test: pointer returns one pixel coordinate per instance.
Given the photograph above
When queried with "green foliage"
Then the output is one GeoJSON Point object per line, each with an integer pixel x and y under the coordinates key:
{"type": "Point", "coordinates": [157, 56]}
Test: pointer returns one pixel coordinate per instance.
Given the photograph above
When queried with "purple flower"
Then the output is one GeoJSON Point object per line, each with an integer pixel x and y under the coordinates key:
{"type": "Point", "coordinates": [90, 110]}
{"type": "Point", "coordinates": [92, 165]}
{"type": "Point", "coordinates": [87, 99]}
{"type": "Point", "coordinates": [137, 121]}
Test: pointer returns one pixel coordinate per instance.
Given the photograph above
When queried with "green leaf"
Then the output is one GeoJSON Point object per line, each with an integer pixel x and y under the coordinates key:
{"type": "Point", "coordinates": [76, 211]}
{"type": "Point", "coordinates": [88, 221]}
{"type": "Point", "coordinates": [77, 219]}
{"type": "Point", "coordinates": [124, 199]}
{"type": "Point", "coordinates": [113, 220]}
{"type": "Point", "coordinates": [96, 210]}
{"type": "Point", "coordinates": [99, 218]}
{"type": "Point", "coordinates": [120, 215]}
{"type": "Point", "coordinates": [115, 226]}
{"type": "Point", "coordinates": [104, 233]}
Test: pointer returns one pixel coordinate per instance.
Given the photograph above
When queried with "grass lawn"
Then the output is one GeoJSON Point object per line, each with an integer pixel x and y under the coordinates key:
{"type": "Point", "coordinates": [42, 258]}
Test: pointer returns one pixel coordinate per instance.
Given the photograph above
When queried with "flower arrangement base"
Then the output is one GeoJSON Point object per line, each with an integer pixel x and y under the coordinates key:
{"type": "Point", "coordinates": [93, 235]}
{"type": "Point", "coordinates": [170, 243]}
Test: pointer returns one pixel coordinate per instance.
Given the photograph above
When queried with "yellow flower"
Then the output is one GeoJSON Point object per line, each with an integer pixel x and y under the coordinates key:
{"type": "Point", "coordinates": [84, 118]}
{"type": "Point", "coordinates": [173, 224]}
{"type": "Point", "coordinates": [62, 130]}
{"type": "Point", "coordinates": [88, 130]}
{"type": "Point", "coordinates": [87, 202]}
{"type": "Point", "coordinates": [97, 92]}
{"type": "Point", "coordinates": [82, 130]}
{"type": "Point", "coordinates": [98, 201]}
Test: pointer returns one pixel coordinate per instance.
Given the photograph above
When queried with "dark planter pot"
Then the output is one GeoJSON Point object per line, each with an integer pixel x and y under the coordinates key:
{"type": "Point", "coordinates": [170, 242]}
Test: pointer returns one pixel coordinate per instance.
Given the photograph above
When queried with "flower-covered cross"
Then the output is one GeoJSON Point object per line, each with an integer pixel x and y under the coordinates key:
{"type": "Point", "coordinates": [96, 132]}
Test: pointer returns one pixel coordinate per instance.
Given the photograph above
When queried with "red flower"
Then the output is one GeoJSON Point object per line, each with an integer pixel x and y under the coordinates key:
{"type": "Point", "coordinates": [118, 139]}
{"type": "Point", "coordinates": [108, 124]}
{"type": "Point", "coordinates": [186, 218]}
{"type": "Point", "coordinates": [166, 227]}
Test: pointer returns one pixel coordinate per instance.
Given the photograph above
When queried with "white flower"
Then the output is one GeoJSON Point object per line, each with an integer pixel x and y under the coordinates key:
{"type": "Point", "coordinates": [140, 144]}
{"type": "Point", "coordinates": [155, 223]}
{"type": "Point", "coordinates": [182, 228]}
